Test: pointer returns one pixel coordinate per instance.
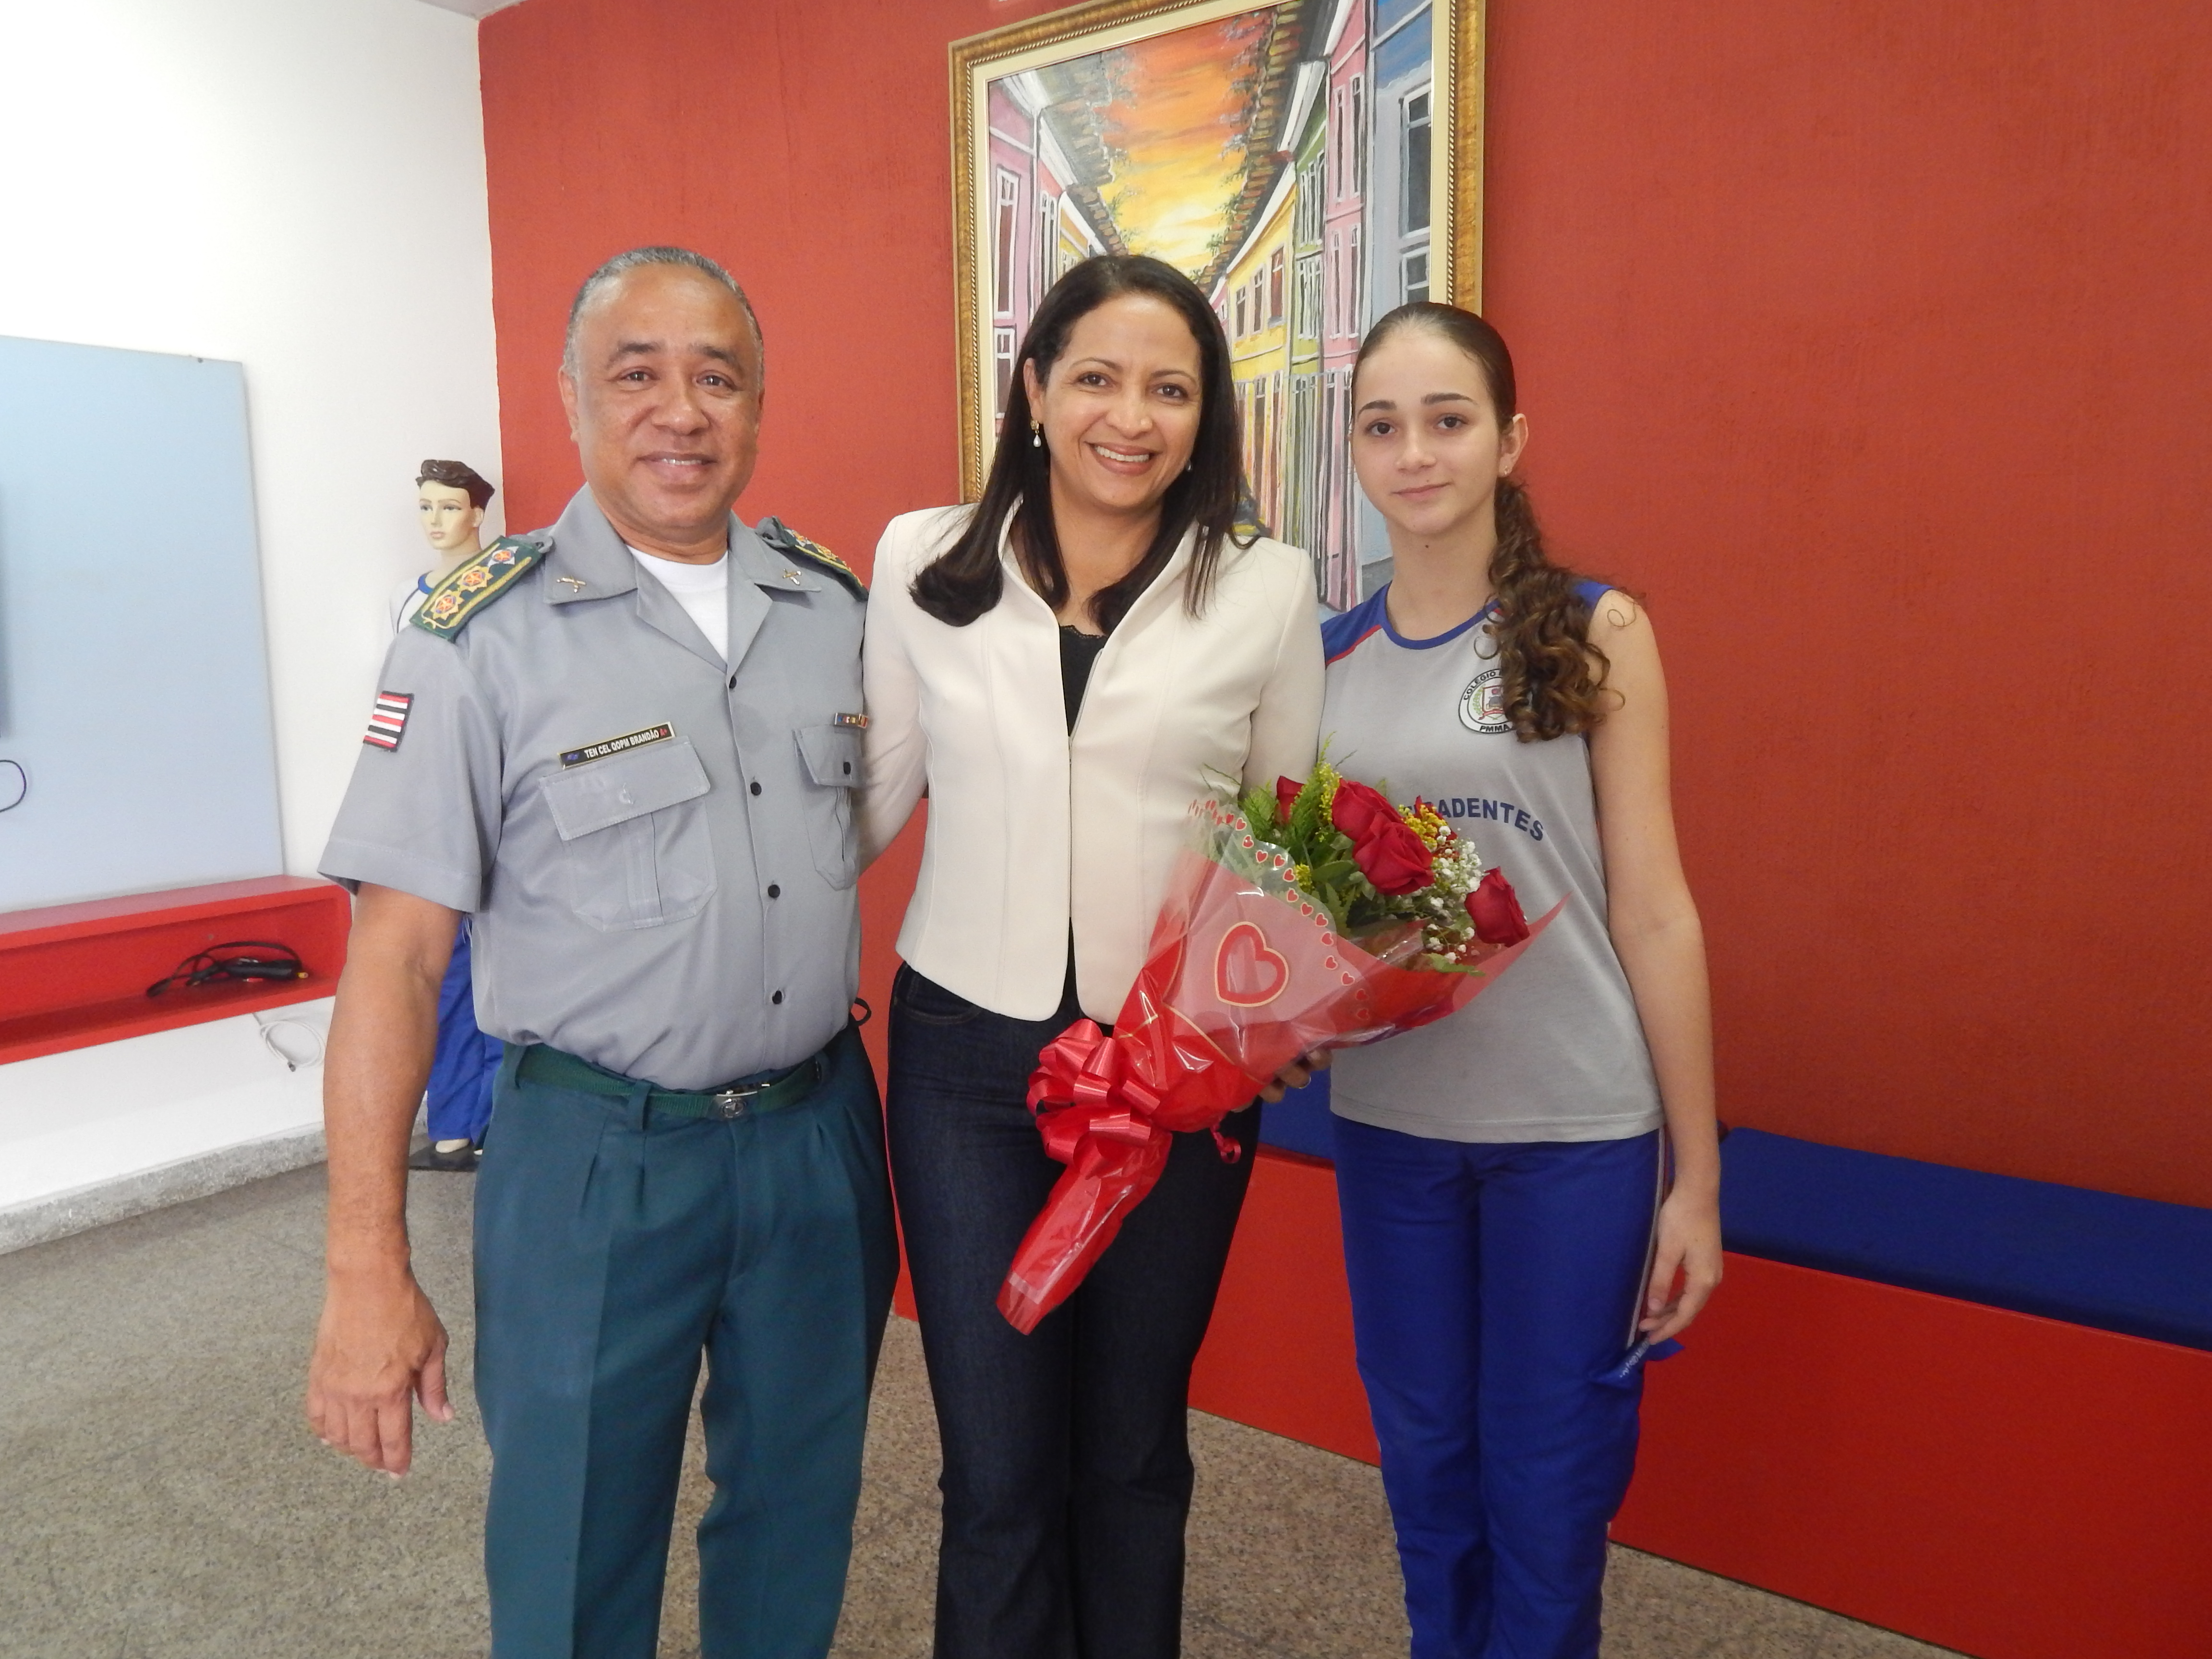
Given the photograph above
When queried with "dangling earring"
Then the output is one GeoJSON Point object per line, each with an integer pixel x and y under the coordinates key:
{"type": "Point", "coordinates": [1036, 434]}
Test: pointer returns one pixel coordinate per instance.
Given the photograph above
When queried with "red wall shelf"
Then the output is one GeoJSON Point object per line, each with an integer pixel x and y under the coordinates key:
{"type": "Point", "coordinates": [75, 975]}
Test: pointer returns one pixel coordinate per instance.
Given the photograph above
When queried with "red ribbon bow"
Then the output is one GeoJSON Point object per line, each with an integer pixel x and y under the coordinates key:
{"type": "Point", "coordinates": [1106, 1107]}
{"type": "Point", "coordinates": [1088, 1083]}
{"type": "Point", "coordinates": [1085, 1085]}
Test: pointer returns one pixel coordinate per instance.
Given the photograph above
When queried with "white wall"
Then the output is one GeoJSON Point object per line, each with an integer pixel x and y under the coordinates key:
{"type": "Point", "coordinates": [297, 185]}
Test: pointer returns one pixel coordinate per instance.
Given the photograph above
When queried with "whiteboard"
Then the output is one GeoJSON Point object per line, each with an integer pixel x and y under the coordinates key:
{"type": "Point", "coordinates": [134, 671]}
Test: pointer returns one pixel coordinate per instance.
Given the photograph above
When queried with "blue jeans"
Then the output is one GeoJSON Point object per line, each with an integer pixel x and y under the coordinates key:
{"type": "Point", "coordinates": [1068, 1472]}
{"type": "Point", "coordinates": [614, 1248]}
{"type": "Point", "coordinates": [1490, 1286]}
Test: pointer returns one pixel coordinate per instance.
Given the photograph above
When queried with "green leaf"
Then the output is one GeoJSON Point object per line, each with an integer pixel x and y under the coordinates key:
{"type": "Point", "coordinates": [1331, 842]}
{"type": "Point", "coordinates": [1258, 809]}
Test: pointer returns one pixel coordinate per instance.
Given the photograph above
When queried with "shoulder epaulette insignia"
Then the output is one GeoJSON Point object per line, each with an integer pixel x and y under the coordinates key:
{"type": "Point", "coordinates": [777, 533]}
{"type": "Point", "coordinates": [475, 585]}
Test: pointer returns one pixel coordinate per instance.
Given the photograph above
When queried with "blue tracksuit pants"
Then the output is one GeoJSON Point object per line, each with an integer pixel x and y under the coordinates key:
{"type": "Point", "coordinates": [466, 1062]}
{"type": "Point", "coordinates": [1491, 1284]}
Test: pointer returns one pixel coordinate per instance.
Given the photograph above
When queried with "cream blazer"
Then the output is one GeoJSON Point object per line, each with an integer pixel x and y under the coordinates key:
{"type": "Point", "coordinates": [1032, 828]}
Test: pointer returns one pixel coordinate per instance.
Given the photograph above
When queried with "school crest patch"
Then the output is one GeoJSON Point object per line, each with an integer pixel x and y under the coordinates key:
{"type": "Point", "coordinates": [1482, 705]}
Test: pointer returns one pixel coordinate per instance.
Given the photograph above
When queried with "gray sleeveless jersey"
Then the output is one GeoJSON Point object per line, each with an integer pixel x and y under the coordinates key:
{"type": "Point", "coordinates": [1554, 1050]}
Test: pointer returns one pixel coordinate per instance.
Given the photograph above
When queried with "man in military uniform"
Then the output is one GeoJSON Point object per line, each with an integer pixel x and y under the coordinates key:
{"type": "Point", "coordinates": [626, 746]}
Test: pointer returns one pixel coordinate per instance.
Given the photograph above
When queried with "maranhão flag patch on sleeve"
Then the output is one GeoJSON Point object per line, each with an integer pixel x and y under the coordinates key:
{"type": "Point", "coordinates": [387, 721]}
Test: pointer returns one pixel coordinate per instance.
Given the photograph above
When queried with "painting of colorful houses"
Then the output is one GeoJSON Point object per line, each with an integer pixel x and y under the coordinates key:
{"type": "Point", "coordinates": [1293, 158]}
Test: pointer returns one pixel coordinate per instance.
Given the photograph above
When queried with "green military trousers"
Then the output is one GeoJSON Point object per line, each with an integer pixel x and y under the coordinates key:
{"type": "Point", "coordinates": [614, 1247]}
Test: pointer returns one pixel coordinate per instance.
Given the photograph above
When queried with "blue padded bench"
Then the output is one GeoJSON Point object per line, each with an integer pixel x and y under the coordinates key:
{"type": "Point", "coordinates": [2130, 1264]}
{"type": "Point", "coordinates": [1299, 1122]}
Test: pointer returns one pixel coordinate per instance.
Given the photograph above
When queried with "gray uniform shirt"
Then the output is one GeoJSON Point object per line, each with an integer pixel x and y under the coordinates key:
{"type": "Point", "coordinates": [657, 846]}
{"type": "Point", "coordinates": [1555, 1051]}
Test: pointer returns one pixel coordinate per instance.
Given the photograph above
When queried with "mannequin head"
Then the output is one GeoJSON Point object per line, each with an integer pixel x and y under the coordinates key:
{"type": "Point", "coordinates": [451, 496]}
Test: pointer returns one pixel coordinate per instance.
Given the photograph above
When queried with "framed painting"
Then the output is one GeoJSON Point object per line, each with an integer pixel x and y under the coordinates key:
{"type": "Point", "coordinates": [1311, 164]}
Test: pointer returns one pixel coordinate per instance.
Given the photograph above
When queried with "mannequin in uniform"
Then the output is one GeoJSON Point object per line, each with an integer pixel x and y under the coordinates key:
{"type": "Point", "coordinates": [451, 497]}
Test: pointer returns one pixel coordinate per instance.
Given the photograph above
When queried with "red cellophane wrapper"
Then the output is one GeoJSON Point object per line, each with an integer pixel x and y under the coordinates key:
{"type": "Point", "coordinates": [1244, 974]}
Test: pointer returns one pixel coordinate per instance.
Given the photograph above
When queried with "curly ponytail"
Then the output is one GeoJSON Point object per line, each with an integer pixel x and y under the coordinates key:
{"type": "Point", "coordinates": [1554, 677]}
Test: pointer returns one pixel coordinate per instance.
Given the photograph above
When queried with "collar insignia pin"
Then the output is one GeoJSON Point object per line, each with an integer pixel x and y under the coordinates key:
{"type": "Point", "coordinates": [575, 583]}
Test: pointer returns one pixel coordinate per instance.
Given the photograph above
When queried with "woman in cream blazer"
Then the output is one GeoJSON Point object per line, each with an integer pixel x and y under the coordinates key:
{"type": "Point", "coordinates": [1034, 828]}
{"type": "Point", "coordinates": [1063, 669]}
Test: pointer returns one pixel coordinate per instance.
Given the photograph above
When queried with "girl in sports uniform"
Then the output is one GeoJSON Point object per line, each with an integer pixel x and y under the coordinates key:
{"type": "Point", "coordinates": [1530, 1188]}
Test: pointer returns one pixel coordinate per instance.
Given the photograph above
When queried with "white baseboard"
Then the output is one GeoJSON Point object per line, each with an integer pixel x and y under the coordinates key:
{"type": "Point", "coordinates": [93, 1135]}
{"type": "Point", "coordinates": [59, 1214]}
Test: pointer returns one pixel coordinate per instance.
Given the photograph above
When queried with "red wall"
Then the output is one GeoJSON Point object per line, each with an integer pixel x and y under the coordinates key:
{"type": "Point", "coordinates": [2005, 1485]}
{"type": "Point", "coordinates": [1868, 340]}
{"type": "Point", "coordinates": [2001, 1485]}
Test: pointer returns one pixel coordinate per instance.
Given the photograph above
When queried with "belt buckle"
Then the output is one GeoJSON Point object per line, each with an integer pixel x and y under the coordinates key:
{"type": "Point", "coordinates": [730, 1103]}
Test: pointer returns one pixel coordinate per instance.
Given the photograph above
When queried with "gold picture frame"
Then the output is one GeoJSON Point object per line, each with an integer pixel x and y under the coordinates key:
{"type": "Point", "coordinates": [1284, 153]}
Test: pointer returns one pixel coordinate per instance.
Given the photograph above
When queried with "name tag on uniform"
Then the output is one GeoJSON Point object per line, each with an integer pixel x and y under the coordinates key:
{"type": "Point", "coordinates": [856, 722]}
{"type": "Point", "coordinates": [592, 751]}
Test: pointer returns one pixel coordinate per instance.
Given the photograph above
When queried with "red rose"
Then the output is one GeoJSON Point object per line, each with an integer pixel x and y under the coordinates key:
{"type": "Point", "coordinates": [1357, 809]}
{"type": "Point", "coordinates": [1388, 854]}
{"type": "Point", "coordinates": [1287, 791]}
{"type": "Point", "coordinates": [1496, 912]}
{"type": "Point", "coordinates": [1395, 859]}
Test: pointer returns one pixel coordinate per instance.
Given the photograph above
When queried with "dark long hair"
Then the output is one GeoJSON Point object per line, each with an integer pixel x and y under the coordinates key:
{"type": "Point", "coordinates": [963, 581]}
{"type": "Point", "coordinates": [1554, 677]}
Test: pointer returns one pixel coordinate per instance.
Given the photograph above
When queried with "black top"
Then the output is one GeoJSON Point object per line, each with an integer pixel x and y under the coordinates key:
{"type": "Point", "coordinates": [1077, 651]}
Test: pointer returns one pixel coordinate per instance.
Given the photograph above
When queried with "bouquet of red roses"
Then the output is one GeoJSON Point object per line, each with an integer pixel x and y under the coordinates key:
{"type": "Point", "coordinates": [1319, 916]}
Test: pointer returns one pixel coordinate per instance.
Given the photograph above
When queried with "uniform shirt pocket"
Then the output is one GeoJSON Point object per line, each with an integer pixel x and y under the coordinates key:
{"type": "Point", "coordinates": [832, 756]}
{"type": "Point", "coordinates": [635, 829]}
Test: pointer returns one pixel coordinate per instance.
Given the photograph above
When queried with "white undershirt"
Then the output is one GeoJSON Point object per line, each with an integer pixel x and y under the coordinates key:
{"type": "Point", "coordinates": [407, 598]}
{"type": "Point", "coordinates": [703, 591]}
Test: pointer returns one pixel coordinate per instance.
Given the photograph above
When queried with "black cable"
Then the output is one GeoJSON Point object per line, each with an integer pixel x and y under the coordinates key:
{"type": "Point", "coordinates": [206, 968]}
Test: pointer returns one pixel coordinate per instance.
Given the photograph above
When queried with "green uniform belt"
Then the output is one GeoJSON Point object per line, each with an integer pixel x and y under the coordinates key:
{"type": "Point", "coordinates": [770, 1091]}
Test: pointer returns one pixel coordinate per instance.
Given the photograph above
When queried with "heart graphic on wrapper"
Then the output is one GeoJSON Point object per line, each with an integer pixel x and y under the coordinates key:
{"type": "Point", "coordinates": [1247, 972]}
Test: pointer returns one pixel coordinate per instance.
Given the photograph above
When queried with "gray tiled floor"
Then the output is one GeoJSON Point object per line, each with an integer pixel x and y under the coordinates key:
{"type": "Point", "coordinates": [163, 1499]}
